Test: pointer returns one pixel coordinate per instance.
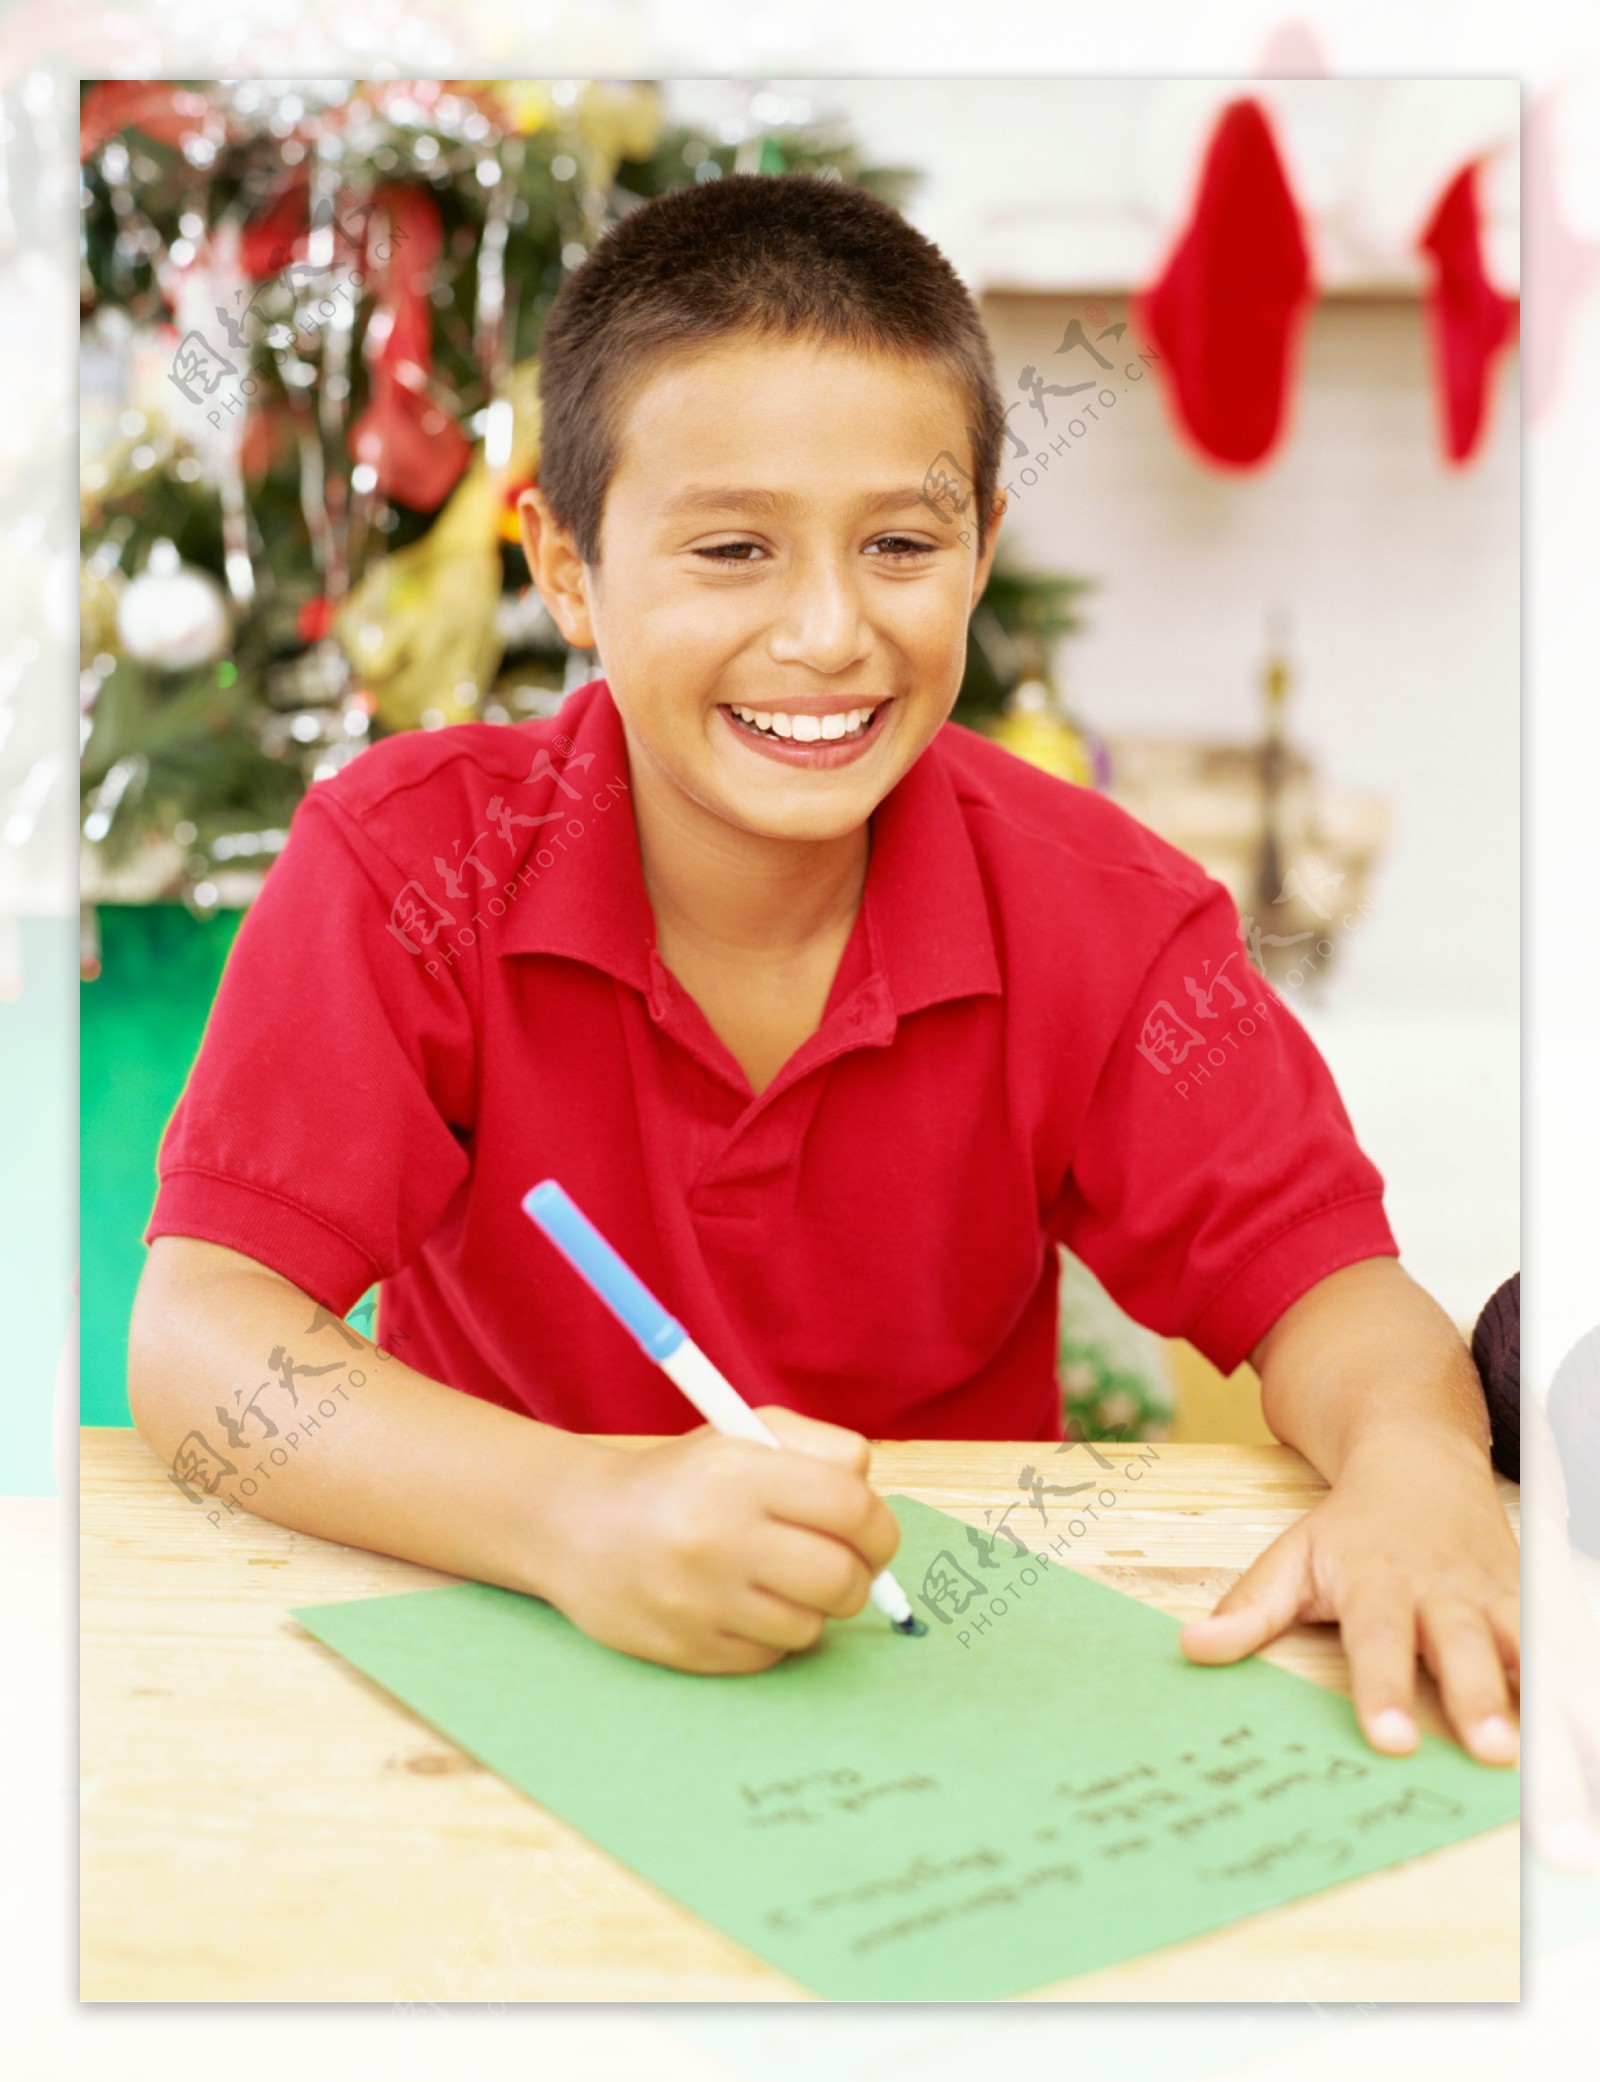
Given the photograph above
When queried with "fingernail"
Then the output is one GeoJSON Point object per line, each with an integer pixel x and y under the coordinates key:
{"type": "Point", "coordinates": [1496, 1737]}
{"type": "Point", "coordinates": [1393, 1729]}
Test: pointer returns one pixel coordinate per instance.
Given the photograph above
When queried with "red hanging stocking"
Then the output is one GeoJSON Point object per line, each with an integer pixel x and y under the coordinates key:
{"type": "Point", "coordinates": [1470, 318]}
{"type": "Point", "coordinates": [1225, 312]}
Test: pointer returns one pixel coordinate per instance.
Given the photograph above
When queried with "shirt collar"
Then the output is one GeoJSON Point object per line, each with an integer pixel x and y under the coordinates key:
{"type": "Point", "coordinates": [928, 919]}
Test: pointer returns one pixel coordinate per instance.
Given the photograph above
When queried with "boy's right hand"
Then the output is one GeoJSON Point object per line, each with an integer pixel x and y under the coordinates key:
{"type": "Point", "coordinates": [718, 1555]}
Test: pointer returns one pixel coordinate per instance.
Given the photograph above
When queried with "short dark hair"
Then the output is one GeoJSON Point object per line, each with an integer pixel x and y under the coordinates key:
{"type": "Point", "coordinates": [772, 255]}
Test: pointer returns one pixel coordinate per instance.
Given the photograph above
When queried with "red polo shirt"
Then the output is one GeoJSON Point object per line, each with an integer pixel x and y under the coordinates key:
{"type": "Point", "coordinates": [1043, 1027]}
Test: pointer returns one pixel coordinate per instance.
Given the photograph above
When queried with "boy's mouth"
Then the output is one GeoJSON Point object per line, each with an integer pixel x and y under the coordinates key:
{"type": "Point", "coordinates": [807, 737]}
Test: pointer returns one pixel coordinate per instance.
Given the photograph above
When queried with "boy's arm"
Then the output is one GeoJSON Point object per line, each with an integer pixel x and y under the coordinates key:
{"type": "Point", "coordinates": [403, 1464]}
{"type": "Point", "coordinates": [1410, 1552]}
{"type": "Point", "coordinates": [1367, 1353]}
{"type": "Point", "coordinates": [706, 1553]}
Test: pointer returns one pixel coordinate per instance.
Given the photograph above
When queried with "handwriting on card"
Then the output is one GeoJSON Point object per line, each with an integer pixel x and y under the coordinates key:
{"type": "Point", "coordinates": [819, 1795]}
{"type": "Point", "coordinates": [1217, 1796]}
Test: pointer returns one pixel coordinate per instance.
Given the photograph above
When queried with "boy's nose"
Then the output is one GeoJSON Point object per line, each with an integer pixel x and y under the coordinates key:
{"type": "Point", "coordinates": [821, 623]}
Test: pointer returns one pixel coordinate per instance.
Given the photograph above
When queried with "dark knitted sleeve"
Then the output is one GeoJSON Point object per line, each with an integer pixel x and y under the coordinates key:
{"type": "Point", "coordinates": [1497, 1349]}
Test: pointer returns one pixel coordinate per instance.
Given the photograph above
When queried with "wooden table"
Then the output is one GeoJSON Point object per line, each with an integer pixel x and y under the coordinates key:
{"type": "Point", "coordinates": [262, 1823]}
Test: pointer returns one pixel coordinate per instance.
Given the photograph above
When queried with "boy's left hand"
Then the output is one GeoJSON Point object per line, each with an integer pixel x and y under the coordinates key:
{"type": "Point", "coordinates": [1410, 1552]}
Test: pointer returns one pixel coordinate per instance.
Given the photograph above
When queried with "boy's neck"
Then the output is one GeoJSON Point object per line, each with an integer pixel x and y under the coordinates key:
{"type": "Point", "coordinates": [722, 889]}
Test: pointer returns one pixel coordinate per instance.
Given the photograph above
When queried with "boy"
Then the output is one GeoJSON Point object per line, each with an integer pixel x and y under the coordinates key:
{"type": "Point", "coordinates": [834, 1017]}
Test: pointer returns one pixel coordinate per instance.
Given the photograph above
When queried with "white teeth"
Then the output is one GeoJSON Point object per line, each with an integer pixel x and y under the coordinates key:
{"type": "Point", "coordinates": [805, 729]}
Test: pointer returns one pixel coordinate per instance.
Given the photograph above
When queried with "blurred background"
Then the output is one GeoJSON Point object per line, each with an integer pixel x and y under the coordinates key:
{"type": "Point", "coordinates": [1258, 579]}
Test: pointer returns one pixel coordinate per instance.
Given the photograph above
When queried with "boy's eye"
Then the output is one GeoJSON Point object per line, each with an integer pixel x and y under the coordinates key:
{"type": "Point", "coordinates": [893, 547]}
{"type": "Point", "coordinates": [728, 552]}
{"type": "Point", "coordinates": [902, 546]}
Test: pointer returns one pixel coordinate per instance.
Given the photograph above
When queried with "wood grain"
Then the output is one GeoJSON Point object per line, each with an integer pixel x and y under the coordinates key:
{"type": "Point", "coordinates": [262, 1823]}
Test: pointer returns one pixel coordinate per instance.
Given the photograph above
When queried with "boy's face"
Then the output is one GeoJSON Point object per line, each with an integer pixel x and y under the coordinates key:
{"type": "Point", "coordinates": [764, 547]}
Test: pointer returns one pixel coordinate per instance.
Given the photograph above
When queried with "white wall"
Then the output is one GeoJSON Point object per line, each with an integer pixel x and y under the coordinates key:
{"type": "Point", "coordinates": [1399, 574]}
{"type": "Point", "coordinates": [1401, 578]}
{"type": "Point", "coordinates": [1085, 183]}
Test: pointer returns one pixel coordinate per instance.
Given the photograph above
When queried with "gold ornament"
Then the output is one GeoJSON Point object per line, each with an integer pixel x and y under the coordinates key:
{"type": "Point", "coordinates": [524, 107]}
{"type": "Point", "coordinates": [98, 594]}
{"type": "Point", "coordinates": [1034, 728]}
{"type": "Point", "coordinates": [419, 627]}
{"type": "Point", "coordinates": [616, 120]}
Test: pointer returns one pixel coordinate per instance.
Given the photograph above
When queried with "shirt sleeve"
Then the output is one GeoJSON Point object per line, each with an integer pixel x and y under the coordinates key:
{"type": "Point", "coordinates": [1216, 1176]}
{"type": "Point", "coordinates": [324, 1124]}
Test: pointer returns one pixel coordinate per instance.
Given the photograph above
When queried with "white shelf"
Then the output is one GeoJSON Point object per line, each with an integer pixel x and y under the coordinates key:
{"type": "Point", "coordinates": [1115, 253]}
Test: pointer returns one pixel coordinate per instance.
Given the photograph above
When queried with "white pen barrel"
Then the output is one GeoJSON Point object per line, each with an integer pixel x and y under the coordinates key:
{"type": "Point", "coordinates": [714, 1396]}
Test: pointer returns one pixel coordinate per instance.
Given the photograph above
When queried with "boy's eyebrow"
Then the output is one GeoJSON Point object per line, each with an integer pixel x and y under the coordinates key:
{"type": "Point", "coordinates": [712, 498]}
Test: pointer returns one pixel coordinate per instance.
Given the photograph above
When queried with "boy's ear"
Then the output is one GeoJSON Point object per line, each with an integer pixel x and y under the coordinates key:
{"type": "Point", "coordinates": [556, 569]}
{"type": "Point", "coordinates": [980, 575]}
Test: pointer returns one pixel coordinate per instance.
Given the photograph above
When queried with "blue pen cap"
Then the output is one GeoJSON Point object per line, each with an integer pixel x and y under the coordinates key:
{"type": "Point", "coordinates": [586, 1250]}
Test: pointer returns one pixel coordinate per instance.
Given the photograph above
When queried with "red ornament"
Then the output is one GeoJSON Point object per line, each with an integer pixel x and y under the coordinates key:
{"type": "Point", "coordinates": [276, 235]}
{"type": "Point", "coordinates": [412, 443]}
{"type": "Point", "coordinates": [1226, 312]}
{"type": "Point", "coordinates": [1470, 319]}
{"type": "Point", "coordinates": [315, 618]}
{"type": "Point", "coordinates": [260, 441]}
{"type": "Point", "coordinates": [414, 446]}
{"type": "Point", "coordinates": [166, 112]}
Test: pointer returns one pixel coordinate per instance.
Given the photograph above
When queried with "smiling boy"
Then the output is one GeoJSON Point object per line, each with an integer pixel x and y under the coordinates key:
{"type": "Point", "coordinates": [836, 1019]}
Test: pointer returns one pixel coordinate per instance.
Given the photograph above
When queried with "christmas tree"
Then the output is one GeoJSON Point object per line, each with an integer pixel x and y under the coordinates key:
{"type": "Point", "coordinates": [311, 315]}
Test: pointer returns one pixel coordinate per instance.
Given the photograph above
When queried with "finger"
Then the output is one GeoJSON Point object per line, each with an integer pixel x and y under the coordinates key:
{"type": "Point", "coordinates": [1259, 1605]}
{"type": "Point", "coordinates": [811, 1570]}
{"type": "Point", "coordinates": [1505, 1623]}
{"type": "Point", "coordinates": [715, 1653]}
{"type": "Point", "coordinates": [736, 1655]}
{"type": "Point", "coordinates": [823, 1441]}
{"type": "Point", "coordinates": [763, 1616]}
{"type": "Point", "coordinates": [1377, 1627]}
{"type": "Point", "coordinates": [1461, 1652]}
{"type": "Point", "coordinates": [818, 1494]}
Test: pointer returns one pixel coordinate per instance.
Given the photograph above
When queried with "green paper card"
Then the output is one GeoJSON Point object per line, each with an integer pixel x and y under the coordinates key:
{"type": "Point", "coordinates": [1039, 1786]}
